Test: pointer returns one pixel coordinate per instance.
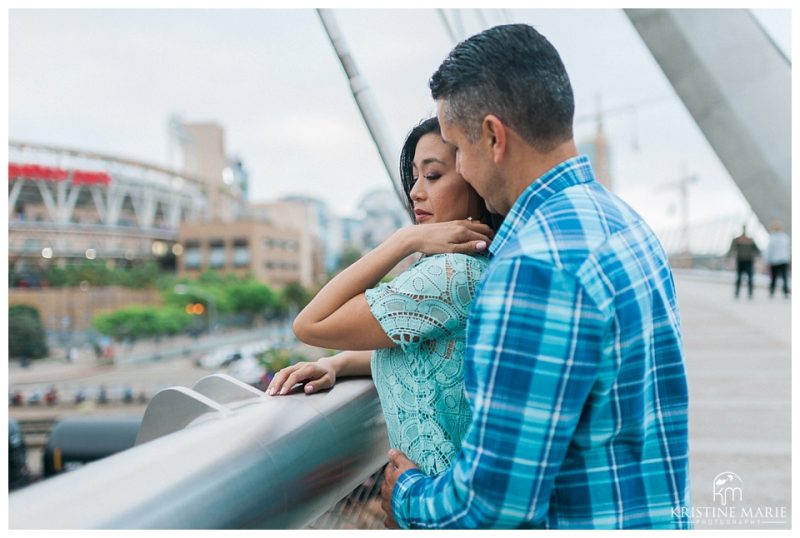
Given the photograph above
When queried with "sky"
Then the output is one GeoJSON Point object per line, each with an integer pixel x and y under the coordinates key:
{"type": "Point", "coordinates": [109, 80]}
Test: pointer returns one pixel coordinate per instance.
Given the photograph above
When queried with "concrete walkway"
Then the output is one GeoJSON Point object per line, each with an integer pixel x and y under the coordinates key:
{"type": "Point", "coordinates": [738, 360]}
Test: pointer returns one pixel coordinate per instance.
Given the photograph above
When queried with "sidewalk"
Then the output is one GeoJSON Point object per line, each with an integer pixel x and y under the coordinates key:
{"type": "Point", "coordinates": [738, 360]}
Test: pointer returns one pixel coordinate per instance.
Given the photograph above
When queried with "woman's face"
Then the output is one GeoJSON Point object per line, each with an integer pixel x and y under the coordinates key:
{"type": "Point", "coordinates": [440, 194]}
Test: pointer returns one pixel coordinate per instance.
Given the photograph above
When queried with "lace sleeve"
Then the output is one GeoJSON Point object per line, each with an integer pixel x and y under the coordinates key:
{"type": "Point", "coordinates": [430, 300]}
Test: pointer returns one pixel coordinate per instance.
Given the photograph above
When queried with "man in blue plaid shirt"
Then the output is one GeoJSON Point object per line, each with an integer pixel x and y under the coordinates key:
{"type": "Point", "coordinates": [574, 368]}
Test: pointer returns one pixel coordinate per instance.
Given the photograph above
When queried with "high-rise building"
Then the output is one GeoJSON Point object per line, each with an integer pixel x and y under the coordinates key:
{"type": "Point", "coordinates": [599, 153]}
{"type": "Point", "coordinates": [352, 230]}
{"type": "Point", "coordinates": [382, 214]}
{"type": "Point", "coordinates": [202, 155]}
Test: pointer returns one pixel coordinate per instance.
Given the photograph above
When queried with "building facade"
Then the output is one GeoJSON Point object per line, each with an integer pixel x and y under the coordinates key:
{"type": "Point", "coordinates": [301, 217]}
{"type": "Point", "coordinates": [271, 254]}
{"type": "Point", "coordinates": [382, 214]}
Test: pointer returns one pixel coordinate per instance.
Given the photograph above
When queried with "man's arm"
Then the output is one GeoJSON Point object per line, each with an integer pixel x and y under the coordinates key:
{"type": "Point", "coordinates": [534, 346]}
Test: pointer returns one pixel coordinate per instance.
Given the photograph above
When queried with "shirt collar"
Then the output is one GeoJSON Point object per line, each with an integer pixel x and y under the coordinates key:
{"type": "Point", "coordinates": [573, 171]}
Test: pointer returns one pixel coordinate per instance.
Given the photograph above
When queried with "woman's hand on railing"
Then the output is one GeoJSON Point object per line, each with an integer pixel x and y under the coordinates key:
{"type": "Point", "coordinates": [317, 375]}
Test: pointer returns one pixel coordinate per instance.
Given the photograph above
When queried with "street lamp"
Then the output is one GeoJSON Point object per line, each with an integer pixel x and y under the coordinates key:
{"type": "Point", "coordinates": [183, 289]}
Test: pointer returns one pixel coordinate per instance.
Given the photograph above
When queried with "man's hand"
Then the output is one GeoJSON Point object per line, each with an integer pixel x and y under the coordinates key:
{"type": "Point", "coordinates": [398, 464]}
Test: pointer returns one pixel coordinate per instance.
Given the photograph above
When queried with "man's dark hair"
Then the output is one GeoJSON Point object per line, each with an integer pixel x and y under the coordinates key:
{"type": "Point", "coordinates": [513, 72]}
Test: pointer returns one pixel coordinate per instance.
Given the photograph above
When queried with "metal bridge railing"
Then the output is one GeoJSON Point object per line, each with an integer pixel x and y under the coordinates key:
{"type": "Point", "coordinates": [224, 456]}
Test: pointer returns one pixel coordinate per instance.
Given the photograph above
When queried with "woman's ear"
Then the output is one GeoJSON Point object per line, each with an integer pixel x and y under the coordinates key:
{"type": "Point", "coordinates": [495, 136]}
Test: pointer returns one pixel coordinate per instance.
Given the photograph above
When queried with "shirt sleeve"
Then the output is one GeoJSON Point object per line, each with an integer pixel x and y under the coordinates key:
{"type": "Point", "coordinates": [534, 347]}
{"type": "Point", "coordinates": [430, 300]}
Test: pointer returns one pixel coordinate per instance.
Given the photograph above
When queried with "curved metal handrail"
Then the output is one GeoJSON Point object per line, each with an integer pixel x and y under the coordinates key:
{"type": "Point", "coordinates": [267, 462]}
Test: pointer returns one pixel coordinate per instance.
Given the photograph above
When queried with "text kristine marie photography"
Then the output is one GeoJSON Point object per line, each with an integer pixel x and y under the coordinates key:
{"type": "Point", "coordinates": [729, 507]}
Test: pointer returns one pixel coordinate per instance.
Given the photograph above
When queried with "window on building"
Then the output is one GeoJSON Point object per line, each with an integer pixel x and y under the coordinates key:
{"type": "Point", "coordinates": [216, 254]}
{"type": "Point", "coordinates": [191, 255]}
{"type": "Point", "coordinates": [32, 245]}
{"type": "Point", "coordinates": [241, 253]}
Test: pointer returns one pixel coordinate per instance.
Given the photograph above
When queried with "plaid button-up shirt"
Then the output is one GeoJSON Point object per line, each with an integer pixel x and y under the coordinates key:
{"type": "Point", "coordinates": [574, 372]}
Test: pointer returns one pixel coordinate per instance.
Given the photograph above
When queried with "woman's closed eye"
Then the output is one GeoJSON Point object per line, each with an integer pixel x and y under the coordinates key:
{"type": "Point", "coordinates": [429, 177]}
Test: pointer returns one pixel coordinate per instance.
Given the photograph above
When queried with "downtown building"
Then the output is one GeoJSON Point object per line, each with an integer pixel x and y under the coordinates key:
{"type": "Point", "coordinates": [230, 238]}
{"type": "Point", "coordinates": [71, 206]}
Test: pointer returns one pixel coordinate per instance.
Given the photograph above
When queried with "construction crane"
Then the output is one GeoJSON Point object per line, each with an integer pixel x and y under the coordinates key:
{"type": "Point", "coordinates": [682, 185]}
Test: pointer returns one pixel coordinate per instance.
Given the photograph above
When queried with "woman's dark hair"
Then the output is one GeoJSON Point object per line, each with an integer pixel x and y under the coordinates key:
{"type": "Point", "coordinates": [428, 126]}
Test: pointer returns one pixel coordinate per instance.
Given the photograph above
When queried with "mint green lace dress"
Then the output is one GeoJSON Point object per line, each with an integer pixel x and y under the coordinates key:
{"type": "Point", "coordinates": [421, 382]}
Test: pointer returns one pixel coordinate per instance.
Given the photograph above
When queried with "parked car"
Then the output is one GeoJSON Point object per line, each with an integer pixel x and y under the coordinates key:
{"type": "Point", "coordinates": [219, 357]}
{"type": "Point", "coordinates": [76, 441]}
{"type": "Point", "coordinates": [80, 395]}
{"type": "Point", "coordinates": [247, 370]}
{"type": "Point", "coordinates": [15, 398]}
{"type": "Point", "coordinates": [51, 396]}
{"type": "Point", "coordinates": [19, 475]}
{"type": "Point", "coordinates": [35, 397]}
{"type": "Point", "coordinates": [255, 348]}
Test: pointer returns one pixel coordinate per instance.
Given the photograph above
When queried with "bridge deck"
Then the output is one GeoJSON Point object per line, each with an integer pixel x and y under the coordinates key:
{"type": "Point", "coordinates": [738, 360]}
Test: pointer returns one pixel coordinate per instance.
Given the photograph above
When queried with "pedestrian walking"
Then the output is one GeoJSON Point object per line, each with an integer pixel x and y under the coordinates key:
{"type": "Point", "coordinates": [746, 251]}
{"type": "Point", "coordinates": [778, 256]}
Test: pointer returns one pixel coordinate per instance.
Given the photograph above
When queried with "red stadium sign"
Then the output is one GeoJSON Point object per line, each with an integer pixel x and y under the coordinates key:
{"type": "Point", "coordinates": [80, 177]}
{"type": "Point", "coordinates": [37, 172]}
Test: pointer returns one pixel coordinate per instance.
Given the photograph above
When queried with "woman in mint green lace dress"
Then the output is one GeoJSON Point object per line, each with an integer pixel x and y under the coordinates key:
{"type": "Point", "coordinates": [409, 334]}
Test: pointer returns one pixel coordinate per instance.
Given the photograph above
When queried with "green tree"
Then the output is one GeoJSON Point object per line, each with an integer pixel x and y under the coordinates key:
{"type": "Point", "coordinates": [26, 334]}
{"type": "Point", "coordinates": [197, 293]}
{"type": "Point", "coordinates": [143, 275]}
{"type": "Point", "coordinates": [172, 320]}
{"type": "Point", "coordinates": [95, 272]}
{"type": "Point", "coordinates": [277, 359]}
{"type": "Point", "coordinates": [251, 297]}
{"type": "Point", "coordinates": [56, 276]}
{"type": "Point", "coordinates": [294, 294]}
{"type": "Point", "coordinates": [348, 257]}
{"type": "Point", "coordinates": [215, 278]}
{"type": "Point", "coordinates": [137, 322]}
